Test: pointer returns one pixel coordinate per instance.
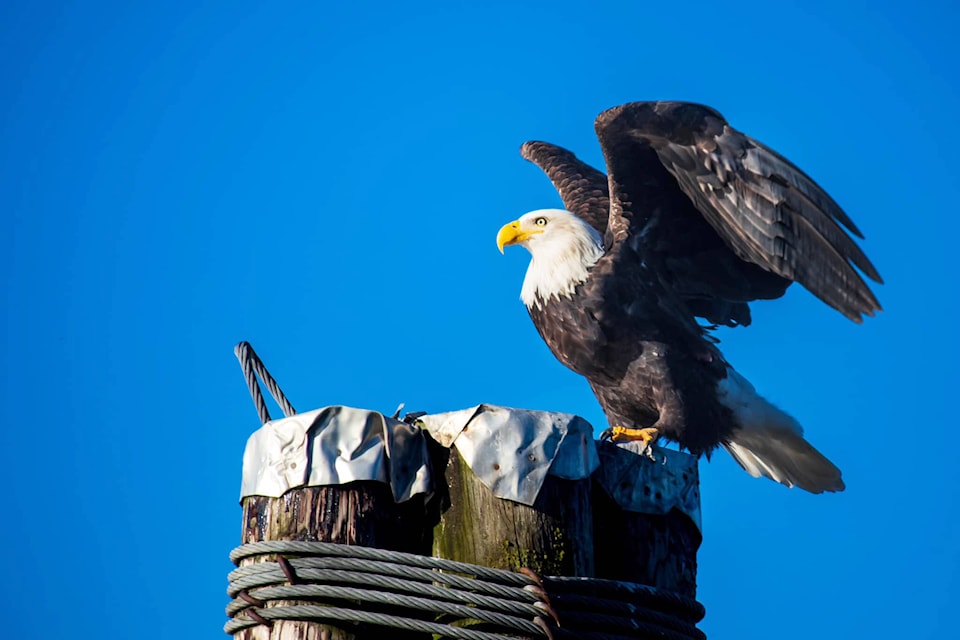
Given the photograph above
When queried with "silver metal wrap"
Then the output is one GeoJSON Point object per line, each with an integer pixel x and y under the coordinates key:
{"type": "Point", "coordinates": [512, 450]}
{"type": "Point", "coordinates": [640, 484]}
{"type": "Point", "coordinates": [336, 445]}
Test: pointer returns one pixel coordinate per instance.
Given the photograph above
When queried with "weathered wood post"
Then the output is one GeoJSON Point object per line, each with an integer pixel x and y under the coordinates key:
{"type": "Point", "coordinates": [338, 475]}
{"type": "Point", "coordinates": [326, 476]}
{"type": "Point", "coordinates": [529, 490]}
{"type": "Point", "coordinates": [545, 538]}
{"type": "Point", "coordinates": [647, 517]}
{"type": "Point", "coordinates": [522, 496]}
{"type": "Point", "coordinates": [519, 483]}
{"type": "Point", "coordinates": [335, 475]}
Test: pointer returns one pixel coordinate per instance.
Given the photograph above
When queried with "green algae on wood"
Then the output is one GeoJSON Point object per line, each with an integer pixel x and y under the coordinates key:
{"type": "Point", "coordinates": [554, 536]}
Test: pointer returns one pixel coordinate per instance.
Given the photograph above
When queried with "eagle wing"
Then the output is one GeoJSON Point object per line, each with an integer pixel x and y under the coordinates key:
{"type": "Point", "coordinates": [767, 212]}
{"type": "Point", "coordinates": [582, 188]}
{"type": "Point", "coordinates": [714, 283]}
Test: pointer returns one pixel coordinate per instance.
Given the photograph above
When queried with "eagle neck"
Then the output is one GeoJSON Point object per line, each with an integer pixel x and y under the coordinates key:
{"type": "Point", "coordinates": [556, 268]}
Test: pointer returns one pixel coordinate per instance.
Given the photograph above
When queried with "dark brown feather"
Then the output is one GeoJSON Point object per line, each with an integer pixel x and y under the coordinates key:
{"type": "Point", "coordinates": [715, 284]}
{"type": "Point", "coordinates": [765, 209]}
{"type": "Point", "coordinates": [582, 188]}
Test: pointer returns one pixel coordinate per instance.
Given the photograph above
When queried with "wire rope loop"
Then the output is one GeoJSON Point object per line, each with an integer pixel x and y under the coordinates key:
{"type": "Point", "coordinates": [253, 366]}
{"type": "Point", "coordinates": [348, 585]}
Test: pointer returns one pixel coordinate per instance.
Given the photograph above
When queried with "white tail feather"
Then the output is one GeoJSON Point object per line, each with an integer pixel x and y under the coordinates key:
{"type": "Point", "coordinates": [770, 443]}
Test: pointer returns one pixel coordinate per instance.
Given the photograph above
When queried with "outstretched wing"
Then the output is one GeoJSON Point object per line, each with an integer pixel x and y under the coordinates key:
{"type": "Point", "coordinates": [582, 188]}
{"type": "Point", "coordinates": [715, 284]}
{"type": "Point", "coordinates": [766, 210]}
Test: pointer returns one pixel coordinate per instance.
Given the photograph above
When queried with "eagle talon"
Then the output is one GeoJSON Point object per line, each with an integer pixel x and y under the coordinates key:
{"type": "Point", "coordinates": [648, 436]}
{"type": "Point", "coordinates": [625, 434]}
{"type": "Point", "coordinates": [618, 434]}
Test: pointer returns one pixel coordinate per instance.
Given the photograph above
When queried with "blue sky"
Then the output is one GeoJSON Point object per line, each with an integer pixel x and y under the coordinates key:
{"type": "Point", "coordinates": [327, 183]}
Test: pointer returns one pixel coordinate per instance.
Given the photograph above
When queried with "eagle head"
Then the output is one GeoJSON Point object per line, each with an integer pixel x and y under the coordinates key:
{"type": "Point", "coordinates": [562, 249]}
{"type": "Point", "coordinates": [544, 230]}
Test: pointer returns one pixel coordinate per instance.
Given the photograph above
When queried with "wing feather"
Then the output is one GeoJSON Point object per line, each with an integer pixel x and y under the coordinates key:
{"type": "Point", "coordinates": [582, 188]}
{"type": "Point", "coordinates": [795, 203]}
{"type": "Point", "coordinates": [766, 210]}
{"type": "Point", "coordinates": [771, 164]}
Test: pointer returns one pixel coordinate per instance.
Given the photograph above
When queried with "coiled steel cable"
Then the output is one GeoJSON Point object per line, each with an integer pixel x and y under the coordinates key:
{"type": "Point", "coordinates": [339, 584]}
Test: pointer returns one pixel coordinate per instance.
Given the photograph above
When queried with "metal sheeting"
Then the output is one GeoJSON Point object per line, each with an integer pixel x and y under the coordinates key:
{"type": "Point", "coordinates": [512, 450]}
{"type": "Point", "coordinates": [640, 484]}
{"type": "Point", "coordinates": [336, 445]}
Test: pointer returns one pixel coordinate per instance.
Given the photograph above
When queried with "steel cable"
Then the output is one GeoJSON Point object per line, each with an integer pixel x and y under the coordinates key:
{"type": "Point", "coordinates": [428, 576]}
{"type": "Point", "coordinates": [293, 547]}
{"type": "Point", "coordinates": [338, 584]}
{"type": "Point", "coordinates": [252, 367]}
{"type": "Point", "coordinates": [327, 576]}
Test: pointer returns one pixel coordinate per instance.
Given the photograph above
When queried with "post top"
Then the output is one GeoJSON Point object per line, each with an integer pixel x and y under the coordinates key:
{"type": "Point", "coordinates": [512, 450]}
{"type": "Point", "coordinates": [336, 445]}
{"type": "Point", "coordinates": [638, 483]}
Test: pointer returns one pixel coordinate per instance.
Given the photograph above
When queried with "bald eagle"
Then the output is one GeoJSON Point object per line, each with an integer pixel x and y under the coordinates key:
{"type": "Point", "coordinates": [693, 220]}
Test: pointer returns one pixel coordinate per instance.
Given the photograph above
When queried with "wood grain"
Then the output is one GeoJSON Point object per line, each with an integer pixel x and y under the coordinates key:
{"type": "Point", "coordinates": [359, 513]}
{"type": "Point", "coordinates": [554, 536]}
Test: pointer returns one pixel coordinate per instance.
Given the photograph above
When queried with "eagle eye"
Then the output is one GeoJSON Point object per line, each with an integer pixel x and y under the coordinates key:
{"type": "Point", "coordinates": [540, 222]}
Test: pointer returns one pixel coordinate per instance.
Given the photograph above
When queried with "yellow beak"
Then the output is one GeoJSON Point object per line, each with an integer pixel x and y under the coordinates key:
{"type": "Point", "coordinates": [511, 233]}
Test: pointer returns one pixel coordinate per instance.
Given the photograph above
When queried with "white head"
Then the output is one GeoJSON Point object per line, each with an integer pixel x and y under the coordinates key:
{"type": "Point", "coordinates": [562, 249]}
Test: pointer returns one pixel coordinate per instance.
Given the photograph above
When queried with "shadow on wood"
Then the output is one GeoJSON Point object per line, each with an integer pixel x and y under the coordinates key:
{"type": "Point", "coordinates": [646, 516]}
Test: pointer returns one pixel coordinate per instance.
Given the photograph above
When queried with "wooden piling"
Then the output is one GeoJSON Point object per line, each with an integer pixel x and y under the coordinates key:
{"type": "Point", "coordinates": [554, 519]}
{"type": "Point", "coordinates": [647, 547]}
{"type": "Point", "coordinates": [554, 536]}
{"type": "Point", "coordinates": [635, 520]}
{"type": "Point", "coordinates": [359, 513]}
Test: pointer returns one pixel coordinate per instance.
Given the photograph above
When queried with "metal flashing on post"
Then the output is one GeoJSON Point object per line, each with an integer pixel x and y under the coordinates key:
{"type": "Point", "coordinates": [513, 450]}
{"type": "Point", "coordinates": [336, 445]}
{"type": "Point", "coordinates": [644, 485]}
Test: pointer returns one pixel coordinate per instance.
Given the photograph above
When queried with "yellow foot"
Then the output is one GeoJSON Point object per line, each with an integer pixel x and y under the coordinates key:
{"type": "Point", "coordinates": [648, 435]}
